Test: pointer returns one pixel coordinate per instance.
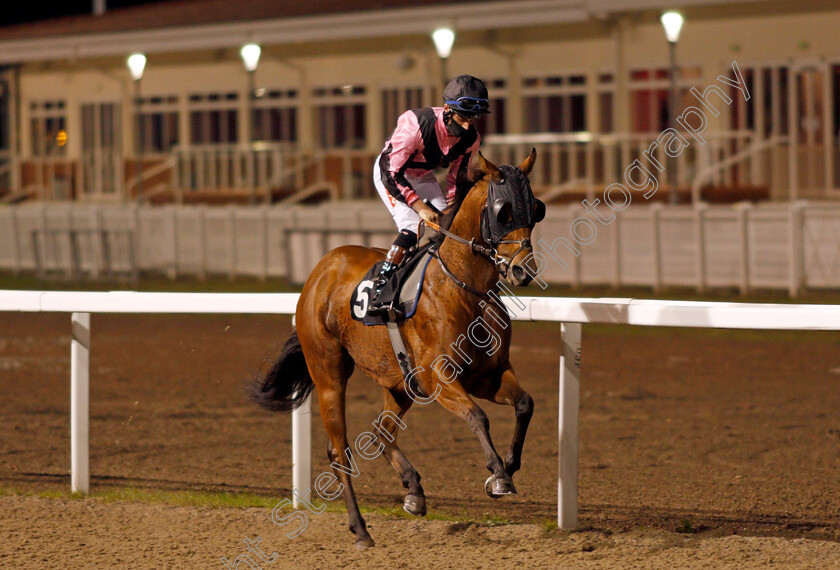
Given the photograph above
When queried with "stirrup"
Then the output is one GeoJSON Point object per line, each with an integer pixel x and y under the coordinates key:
{"type": "Point", "coordinates": [376, 306]}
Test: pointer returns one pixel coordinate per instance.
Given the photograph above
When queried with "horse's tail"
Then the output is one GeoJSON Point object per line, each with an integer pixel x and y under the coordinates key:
{"type": "Point", "coordinates": [287, 384]}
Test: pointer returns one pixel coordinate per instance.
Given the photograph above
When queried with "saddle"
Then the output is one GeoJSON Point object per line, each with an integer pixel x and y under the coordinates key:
{"type": "Point", "coordinates": [402, 291]}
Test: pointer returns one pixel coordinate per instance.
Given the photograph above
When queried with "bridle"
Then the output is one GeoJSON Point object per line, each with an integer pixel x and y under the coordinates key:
{"type": "Point", "coordinates": [510, 206]}
{"type": "Point", "coordinates": [491, 253]}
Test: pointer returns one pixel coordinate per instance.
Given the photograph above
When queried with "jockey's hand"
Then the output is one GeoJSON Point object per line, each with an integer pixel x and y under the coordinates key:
{"type": "Point", "coordinates": [426, 213]}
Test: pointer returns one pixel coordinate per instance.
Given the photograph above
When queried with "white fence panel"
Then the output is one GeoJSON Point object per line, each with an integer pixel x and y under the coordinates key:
{"type": "Point", "coordinates": [598, 259]}
{"type": "Point", "coordinates": [679, 247]}
{"type": "Point", "coordinates": [821, 247]}
{"type": "Point", "coordinates": [556, 226]}
{"type": "Point", "coordinates": [219, 237]}
{"type": "Point", "coordinates": [638, 251]}
{"type": "Point", "coordinates": [190, 240]}
{"type": "Point", "coordinates": [724, 247]}
{"type": "Point", "coordinates": [89, 246]}
{"type": "Point", "coordinates": [53, 247]}
{"type": "Point", "coordinates": [769, 248]}
{"type": "Point", "coordinates": [343, 225]}
{"type": "Point", "coordinates": [777, 246]}
{"type": "Point", "coordinates": [156, 233]}
{"type": "Point", "coordinates": [120, 226]}
{"type": "Point", "coordinates": [278, 220]}
{"type": "Point", "coordinates": [380, 224]}
{"type": "Point", "coordinates": [9, 251]}
{"type": "Point", "coordinates": [29, 219]}
{"type": "Point", "coordinates": [250, 242]}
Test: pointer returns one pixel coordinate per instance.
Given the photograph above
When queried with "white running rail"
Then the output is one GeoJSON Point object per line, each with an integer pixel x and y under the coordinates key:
{"type": "Point", "coordinates": [572, 313]}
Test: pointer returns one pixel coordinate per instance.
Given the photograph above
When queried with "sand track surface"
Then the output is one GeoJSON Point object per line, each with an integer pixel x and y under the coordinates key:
{"type": "Point", "coordinates": [731, 438]}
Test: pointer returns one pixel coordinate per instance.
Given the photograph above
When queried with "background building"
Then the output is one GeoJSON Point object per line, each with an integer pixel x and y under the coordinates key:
{"type": "Point", "coordinates": [587, 81]}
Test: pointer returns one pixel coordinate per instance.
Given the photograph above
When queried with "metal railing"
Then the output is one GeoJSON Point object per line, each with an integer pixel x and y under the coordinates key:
{"type": "Point", "coordinates": [569, 164]}
{"type": "Point", "coordinates": [586, 162]}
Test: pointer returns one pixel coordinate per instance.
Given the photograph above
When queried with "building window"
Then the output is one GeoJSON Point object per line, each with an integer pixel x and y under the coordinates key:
{"type": "Point", "coordinates": [496, 122]}
{"type": "Point", "coordinates": [214, 118]}
{"type": "Point", "coordinates": [555, 103]}
{"type": "Point", "coordinates": [158, 125]}
{"type": "Point", "coordinates": [4, 115]}
{"type": "Point", "coordinates": [275, 115]}
{"type": "Point", "coordinates": [769, 102]}
{"type": "Point", "coordinates": [397, 101]}
{"type": "Point", "coordinates": [48, 123]}
{"type": "Point", "coordinates": [606, 101]}
{"type": "Point", "coordinates": [340, 116]}
{"type": "Point", "coordinates": [649, 94]}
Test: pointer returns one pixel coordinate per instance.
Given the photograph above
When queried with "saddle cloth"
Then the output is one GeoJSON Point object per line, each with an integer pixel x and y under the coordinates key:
{"type": "Point", "coordinates": [405, 285]}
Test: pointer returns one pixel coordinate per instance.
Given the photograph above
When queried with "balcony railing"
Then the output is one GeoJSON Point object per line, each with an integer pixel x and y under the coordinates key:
{"type": "Point", "coordinates": [576, 164]}
{"type": "Point", "coordinates": [727, 166]}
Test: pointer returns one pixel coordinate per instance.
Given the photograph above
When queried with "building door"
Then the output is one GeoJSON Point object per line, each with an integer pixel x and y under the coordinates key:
{"type": "Point", "coordinates": [5, 134]}
{"type": "Point", "coordinates": [101, 159]}
{"type": "Point", "coordinates": [813, 129]}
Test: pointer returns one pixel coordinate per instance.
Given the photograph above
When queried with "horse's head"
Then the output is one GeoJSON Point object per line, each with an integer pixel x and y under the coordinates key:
{"type": "Point", "coordinates": [509, 215]}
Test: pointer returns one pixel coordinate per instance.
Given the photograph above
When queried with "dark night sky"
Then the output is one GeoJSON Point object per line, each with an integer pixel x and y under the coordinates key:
{"type": "Point", "coordinates": [29, 11]}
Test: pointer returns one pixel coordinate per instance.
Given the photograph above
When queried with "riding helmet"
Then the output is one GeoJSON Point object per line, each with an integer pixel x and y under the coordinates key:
{"type": "Point", "coordinates": [467, 94]}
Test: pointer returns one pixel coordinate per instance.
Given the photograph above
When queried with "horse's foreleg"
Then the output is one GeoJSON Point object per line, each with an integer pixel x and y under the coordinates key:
{"type": "Point", "coordinates": [509, 392]}
{"type": "Point", "coordinates": [453, 397]}
{"type": "Point", "coordinates": [397, 403]}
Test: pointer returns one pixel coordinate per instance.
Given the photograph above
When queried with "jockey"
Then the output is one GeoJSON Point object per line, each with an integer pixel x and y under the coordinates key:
{"type": "Point", "coordinates": [424, 140]}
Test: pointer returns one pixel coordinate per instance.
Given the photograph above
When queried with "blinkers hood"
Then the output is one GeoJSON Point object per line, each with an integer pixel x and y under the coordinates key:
{"type": "Point", "coordinates": [511, 205]}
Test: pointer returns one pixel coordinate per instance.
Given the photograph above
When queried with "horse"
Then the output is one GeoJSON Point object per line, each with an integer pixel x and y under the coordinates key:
{"type": "Point", "coordinates": [489, 229]}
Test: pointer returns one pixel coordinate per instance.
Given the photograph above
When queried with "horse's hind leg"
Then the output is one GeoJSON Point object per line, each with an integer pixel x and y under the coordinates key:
{"type": "Point", "coordinates": [508, 391]}
{"type": "Point", "coordinates": [396, 405]}
{"type": "Point", "coordinates": [330, 372]}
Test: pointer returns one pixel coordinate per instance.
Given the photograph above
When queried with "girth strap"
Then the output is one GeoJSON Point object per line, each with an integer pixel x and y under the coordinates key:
{"type": "Point", "coordinates": [402, 355]}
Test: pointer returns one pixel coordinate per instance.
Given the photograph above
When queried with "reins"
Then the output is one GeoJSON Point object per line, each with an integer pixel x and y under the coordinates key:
{"type": "Point", "coordinates": [458, 282]}
{"type": "Point", "coordinates": [490, 253]}
{"type": "Point", "coordinates": [487, 252]}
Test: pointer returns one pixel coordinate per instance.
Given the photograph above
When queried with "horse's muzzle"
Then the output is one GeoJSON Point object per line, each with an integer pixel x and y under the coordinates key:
{"type": "Point", "coordinates": [518, 276]}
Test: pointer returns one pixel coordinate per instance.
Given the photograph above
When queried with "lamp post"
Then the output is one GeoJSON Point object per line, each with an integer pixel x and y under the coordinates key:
{"type": "Point", "coordinates": [443, 38]}
{"type": "Point", "coordinates": [136, 65]}
{"type": "Point", "coordinates": [672, 22]}
{"type": "Point", "coordinates": [251, 58]}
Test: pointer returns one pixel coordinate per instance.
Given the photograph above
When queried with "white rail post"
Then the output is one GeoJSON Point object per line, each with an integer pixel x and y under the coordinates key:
{"type": "Point", "coordinates": [569, 412]}
{"type": "Point", "coordinates": [79, 403]}
{"type": "Point", "coordinates": [301, 449]}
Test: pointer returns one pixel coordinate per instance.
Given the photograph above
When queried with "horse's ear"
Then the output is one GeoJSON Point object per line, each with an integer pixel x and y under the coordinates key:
{"type": "Point", "coordinates": [487, 166]}
{"type": "Point", "coordinates": [528, 163]}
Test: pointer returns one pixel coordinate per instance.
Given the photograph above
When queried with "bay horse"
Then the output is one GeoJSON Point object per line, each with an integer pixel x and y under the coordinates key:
{"type": "Point", "coordinates": [486, 239]}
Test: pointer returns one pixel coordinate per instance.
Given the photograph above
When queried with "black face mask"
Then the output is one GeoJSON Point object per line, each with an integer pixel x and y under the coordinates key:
{"type": "Point", "coordinates": [511, 205]}
{"type": "Point", "coordinates": [454, 128]}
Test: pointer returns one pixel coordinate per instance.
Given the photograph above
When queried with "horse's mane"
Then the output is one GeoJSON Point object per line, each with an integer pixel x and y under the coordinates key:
{"type": "Point", "coordinates": [463, 185]}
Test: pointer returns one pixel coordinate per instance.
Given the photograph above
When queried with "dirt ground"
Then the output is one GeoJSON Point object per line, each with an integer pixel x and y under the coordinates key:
{"type": "Point", "coordinates": [697, 449]}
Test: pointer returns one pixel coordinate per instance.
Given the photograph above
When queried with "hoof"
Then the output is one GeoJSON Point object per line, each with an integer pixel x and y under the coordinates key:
{"type": "Point", "coordinates": [364, 543]}
{"type": "Point", "coordinates": [496, 488]}
{"type": "Point", "coordinates": [415, 505]}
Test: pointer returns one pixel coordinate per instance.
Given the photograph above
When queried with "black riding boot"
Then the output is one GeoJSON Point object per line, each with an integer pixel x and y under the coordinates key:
{"type": "Point", "coordinates": [392, 263]}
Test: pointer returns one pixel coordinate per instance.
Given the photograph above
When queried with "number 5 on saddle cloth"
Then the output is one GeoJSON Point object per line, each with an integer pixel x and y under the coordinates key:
{"type": "Point", "coordinates": [402, 291]}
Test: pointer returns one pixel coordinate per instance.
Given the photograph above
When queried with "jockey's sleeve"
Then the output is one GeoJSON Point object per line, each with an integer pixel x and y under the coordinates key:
{"type": "Point", "coordinates": [402, 145]}
{"type": "Point", "coordinates": [460, 167]}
